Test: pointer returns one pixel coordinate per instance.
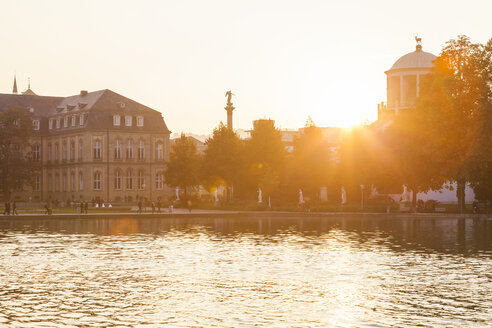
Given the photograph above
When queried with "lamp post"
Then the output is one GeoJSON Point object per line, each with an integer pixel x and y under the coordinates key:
{"type": "Point", "coordinates": [361, 197]}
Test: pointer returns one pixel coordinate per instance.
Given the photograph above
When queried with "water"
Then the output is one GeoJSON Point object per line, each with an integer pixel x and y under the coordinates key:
{"type": "Point", "coordinates": [249, 272]}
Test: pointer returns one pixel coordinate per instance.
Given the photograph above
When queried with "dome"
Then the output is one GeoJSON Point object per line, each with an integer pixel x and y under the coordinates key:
{"type": "Point", "coordinates": [416, 59]}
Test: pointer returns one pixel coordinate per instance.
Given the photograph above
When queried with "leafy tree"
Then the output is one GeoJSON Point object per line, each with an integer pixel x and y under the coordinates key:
{"type": "Point", "coordinates": [312, 160]}
{"type": "Point", "coordinates": [17, 165]}
{"type": "Point", "coordinates": [183, 167]}
{"type": "Point", "coordinates": [223, 159]}
{"type": "Point", "coordinates": [455, 109]}
{"type": "Point", "coordinates": [266, 157]}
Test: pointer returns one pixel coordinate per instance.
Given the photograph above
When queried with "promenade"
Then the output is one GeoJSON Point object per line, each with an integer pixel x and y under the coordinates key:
{"type": "Point", "coordinates": [184, 213]}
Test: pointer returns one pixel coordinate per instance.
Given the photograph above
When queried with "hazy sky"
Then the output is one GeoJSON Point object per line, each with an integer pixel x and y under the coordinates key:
{"type": "Point", "coordinates": [284, 60]}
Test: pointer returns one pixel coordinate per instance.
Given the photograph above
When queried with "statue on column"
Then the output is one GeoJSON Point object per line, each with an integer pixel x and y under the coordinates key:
{"type": "Point", "coordinates": [229, 95]}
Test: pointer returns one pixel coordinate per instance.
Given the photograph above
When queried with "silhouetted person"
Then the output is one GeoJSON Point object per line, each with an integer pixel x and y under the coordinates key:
{"type": "Point", "coordinates": [476, 208]}
{"type": "Point", "coordinates": [158, 206]}
{"type": "Point", "coordinates": [14, 208]}
{"type": "Point", "coordinates": [153, 207]}
{"type": "Point", "coordinates": [6, 210]}
{"type": "Point", "coordinates": [46, 209]}
{"type": "Point", "coordinates": [140, 206]}
{"type": "Point", "coordinates": [86, 207]}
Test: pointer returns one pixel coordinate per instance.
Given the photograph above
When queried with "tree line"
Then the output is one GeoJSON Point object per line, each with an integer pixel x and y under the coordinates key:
{"type": "Point", "coordinates": [446, 138]}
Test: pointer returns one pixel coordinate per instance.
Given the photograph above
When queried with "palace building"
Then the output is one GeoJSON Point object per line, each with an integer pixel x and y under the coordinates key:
{"type": "Point", "coordinates": [94, 146]}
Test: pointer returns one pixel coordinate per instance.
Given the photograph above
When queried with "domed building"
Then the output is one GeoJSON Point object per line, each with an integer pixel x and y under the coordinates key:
{"type": "Point", "coordinates": [404, 77]}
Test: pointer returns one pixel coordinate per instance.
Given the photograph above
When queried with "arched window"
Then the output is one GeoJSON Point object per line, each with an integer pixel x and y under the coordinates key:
{"type": "Point", "coordinates": [129, 179]}
{"type": "Point", "coordinates": [141, 180]}
{"type": "Point", "coordinates": [159, 181]}
{"type": "Point", "coordinates": [36, 152]}
{"type": "Point", "coordinates": [57, 182]}
{"type": "Point", "coordinates": [65, 182]}
{"type": "Point", "coordinates": [81, 150]}
{"type": "Point", "coordinates": [49, 152]}
{"type": "Point", "coordinates": [50, 182]}
{"type": "Point", "coordinates": [37, 183]}
{"type": "Point", "coordinates": [72, 181]}
{"type": "Point", "coordinates": [81, 181]}
{"type": "Point", "coordinates": [117, 149]}
{"type": "Point", "coordinates": [129, 149]}
{"type": "Point", "coordinates": [72, 150]}
{"type": "Point", "coordinates": [97, 149]}
{"type": "Point", "coordinates": [141, 150]}
{"type": "Point", "coordinates": [159, 151]}
{"type": "Point", "coordinates": [97, 180]}
{"type": "Point", "coordinates": [117, 179]}
{"type": "Point", "coordinates": [64, 151]}
{"type": "Point", "coordinates": [57, 152]}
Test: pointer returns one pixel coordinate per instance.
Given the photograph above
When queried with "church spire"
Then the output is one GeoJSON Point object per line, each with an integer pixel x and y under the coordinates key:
{"type": "Point", "coordinates": [14, 90]}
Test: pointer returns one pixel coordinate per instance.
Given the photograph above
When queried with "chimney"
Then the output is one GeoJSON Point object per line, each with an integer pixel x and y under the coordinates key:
{"type": "Point", "coordinates": [83, 93]}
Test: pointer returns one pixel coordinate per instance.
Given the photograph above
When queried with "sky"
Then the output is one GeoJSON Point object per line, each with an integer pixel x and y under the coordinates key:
{"type": "Point", "coordinates": [284, 60]}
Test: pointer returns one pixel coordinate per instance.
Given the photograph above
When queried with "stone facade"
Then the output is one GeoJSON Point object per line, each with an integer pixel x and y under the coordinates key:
{"type": "Point", "coordinates": [95, 146]}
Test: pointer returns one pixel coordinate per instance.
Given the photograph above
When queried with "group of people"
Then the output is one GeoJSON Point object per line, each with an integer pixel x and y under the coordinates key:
{"type": "Point", "coordinates": [153, 205]}
{"type": "Point", "coordinates": [83, 207]}
{"type": "Point", "coordinates": [10, 207]}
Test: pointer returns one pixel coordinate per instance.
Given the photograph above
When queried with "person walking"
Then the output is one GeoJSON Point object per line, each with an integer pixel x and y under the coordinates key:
{"type": "Point", "coordinates": [140, 207]}
{"type": "Point", "coordinates": [158, 206]}
{"type": "Point", "coordinates": [7, 208]}
{"type": "Point", "coordinates": [14, 208]}
{"type": "Point", "coordinates": [153, 207]}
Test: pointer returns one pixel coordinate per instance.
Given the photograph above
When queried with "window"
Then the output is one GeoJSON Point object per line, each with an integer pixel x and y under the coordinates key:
{"type": "Point", "coordinates": [160, 152]}
{"type": "Point", "coordinates": [116, 120]}
{"type": "Point", "coordinates": [50, 123]}
{"type": "Point", "coordinates": [74, 120]}
{"type": "Point", "coordinates": [50, 182]}
{"type": "Point", "coordinates": [128, 120]}
{"type": "Point", "coordinates": [81, 150]}
{"type": "Point", "coordinates": [65, 122]}
{"type": "Point", "coordinates": [159, 181]}
{"type": "Point", "coordinates": [58, 123]}
{"type": "Point", "coordinates": [141, 150]}
{"type": "Point", "coordinates": [57, 182]}
{"type": "Point", "coordinates": [141, 180]}
{"type": "Point", "coordinates": [81, 181]}
{"type": "Point", "coordinates": [37, 183]}
{"type": "Point", "coordinates": [49, 152]}
{"type": "Point", "coordinates": [97, 180]}
{"type": "Point", "coordinates": [57, 150]}
{"type": "Point", "coordinates": [129, 179]}
{"type": "Point", "coordinates": [65, 182]}
{"type": "Point", "coordinates": [72, 181]}
{"type": "Point", "coordinates": [64, 151]}
{"type": "Point", "coordinates": [117, 149]}
{"type": "Point", "coordinates": [36, 152]}
{"type": "Point", "coordinates": [140, 121]}
{"type": "Point", "coordinates": [35, 125]}
{"type": "Point", "coordinates": [72, 150]}
{"type": "Point", "coordinates": [97, 149]}
{"type": "Point", "coordinates": [81, 119]}
{"type": "Point", "coordinates": [129, 149]}
{"type": "Point", "coordinates": [117, 179]}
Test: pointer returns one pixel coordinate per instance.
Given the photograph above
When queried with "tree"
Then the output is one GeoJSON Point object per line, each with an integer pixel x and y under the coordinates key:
{"type": "Point", "coordinates": [266, 157]}
{"type": "Point", "coordinates": [223, 159]}
{"type": "Point", "coordinates": [312, 160]}
{"type": "Point", "coordinates": [455, 109]}
{"type": "Point", "coordinates": [183, 167]}
{"type": "Point", "coordinates": [17, 165]}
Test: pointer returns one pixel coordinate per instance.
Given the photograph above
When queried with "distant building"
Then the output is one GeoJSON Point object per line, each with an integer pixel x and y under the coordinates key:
{"type": "Point", "coordinates": [94, 146]}
{"type": "Point", "coordinates": [403, 81]}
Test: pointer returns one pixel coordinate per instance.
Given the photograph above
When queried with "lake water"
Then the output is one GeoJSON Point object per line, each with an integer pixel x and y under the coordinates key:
{"type": "Point", "coordinates": [246, 272]}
